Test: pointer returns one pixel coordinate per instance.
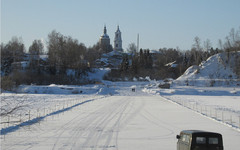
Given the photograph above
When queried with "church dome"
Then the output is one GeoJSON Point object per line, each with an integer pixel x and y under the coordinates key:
{"type": "Point", "coordinates": [105, 41]}
{"type": "Point", "coordinates": [105, 35]}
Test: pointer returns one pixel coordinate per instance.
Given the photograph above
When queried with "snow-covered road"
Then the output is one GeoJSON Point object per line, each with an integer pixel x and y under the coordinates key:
{"type": "Point", "coordinates": [134, 121]}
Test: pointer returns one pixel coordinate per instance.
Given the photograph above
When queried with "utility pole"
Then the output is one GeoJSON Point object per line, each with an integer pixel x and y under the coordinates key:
{"type": "Point", "coordinates": [138, 42]}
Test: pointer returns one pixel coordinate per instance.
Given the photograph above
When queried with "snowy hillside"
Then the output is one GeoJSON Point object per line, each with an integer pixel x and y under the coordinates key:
{"type": "Point", "coordinates": [215, 71]}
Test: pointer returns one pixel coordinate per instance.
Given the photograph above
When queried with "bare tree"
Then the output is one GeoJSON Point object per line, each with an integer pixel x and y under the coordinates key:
{"type": "Point", "coordinates": [65, 53]}
{"type": "Point", "coordinates": [35, 50]}
{"type": "Point", "coordinates": [238, 39]}
{"type": "Point", "coordinates": [197, 44]}
{"type": "Point", "coordinates": [207, 45]}
{"type": "Point", "coordinates": [233, 41]}
{"type": "Point", "coordinates": [13, 51]}
{"type": "Point", "coordinates": [197, 51]}
{"type": "Point", "coordinates": [132, 48]}
{"type": "Point", "coordinates": [15, 48]}
{"type": "Point", "coordinates": [12, 104]}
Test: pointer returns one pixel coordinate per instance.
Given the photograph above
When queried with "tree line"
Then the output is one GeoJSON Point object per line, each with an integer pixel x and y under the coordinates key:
{"type": "Point", "coordinates": [66, 54]}
{"type": "Point", "coordinates": [143, 63]}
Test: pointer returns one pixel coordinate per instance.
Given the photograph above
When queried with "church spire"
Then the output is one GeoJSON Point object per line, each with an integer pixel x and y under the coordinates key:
{"type": "Point", "coordinates": [118, 40]}
{"type": "Point", "coordinates": [105, 40]}
{"type": "Point", "coordinates": [118, 28]}
{"type": "Point", "coordinates": [105, 30]}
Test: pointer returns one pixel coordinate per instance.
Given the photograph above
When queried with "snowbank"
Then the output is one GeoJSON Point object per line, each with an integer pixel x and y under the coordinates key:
{"type": "Point", "coordinates": [213, 72]}
{"type": "Point", "coordinates": [98, 74]}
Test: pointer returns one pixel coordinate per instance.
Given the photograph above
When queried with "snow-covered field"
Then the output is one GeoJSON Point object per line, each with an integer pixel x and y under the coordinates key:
{"type": "Point", "coordinates": [219, 103]}
{"type": "Point", "coordinates": [111, 116]}
{"type": "Point", "coordinates": [36, 101]}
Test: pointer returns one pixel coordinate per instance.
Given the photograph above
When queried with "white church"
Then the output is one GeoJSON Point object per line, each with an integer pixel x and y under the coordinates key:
{"type": "Point", "coordinates": [113, 58]}
{"type": "Point", "coordinates": [105, 40]}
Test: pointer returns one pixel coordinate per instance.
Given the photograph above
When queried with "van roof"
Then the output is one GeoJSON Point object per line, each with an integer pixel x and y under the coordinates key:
{"type": "Point", "coordinates": [197, 131]}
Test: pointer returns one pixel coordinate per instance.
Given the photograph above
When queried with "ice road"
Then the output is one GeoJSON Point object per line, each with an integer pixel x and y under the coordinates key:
{"type": "Point", "coordinates": [127, 121]}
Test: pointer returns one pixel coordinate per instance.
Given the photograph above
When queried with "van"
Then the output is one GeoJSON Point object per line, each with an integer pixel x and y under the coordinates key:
{"type": "Point", "coordinates": [199, 140]}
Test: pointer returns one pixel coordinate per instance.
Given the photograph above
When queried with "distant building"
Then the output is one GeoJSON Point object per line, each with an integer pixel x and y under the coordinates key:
{"type": "Point", "coordinates": [118, 41]}
{"type": "Point", "coordinates": [110, 60]}
{"type": "Point", "coordinates": [104, 41]}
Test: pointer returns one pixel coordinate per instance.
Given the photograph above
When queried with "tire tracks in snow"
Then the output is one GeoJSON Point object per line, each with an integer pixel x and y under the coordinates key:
{"type": "Point", "coordinates": [97, 129]}
{"type": "Point", "coordinates": [109, 118]}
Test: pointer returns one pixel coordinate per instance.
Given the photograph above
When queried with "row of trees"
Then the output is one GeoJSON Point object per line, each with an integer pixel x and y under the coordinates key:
{"type": "Point", "coordinates": [65, 53]}
{"type": "Point", "coordinates": [13, 51]}
{"type": "Point", "coordinates": [143, 63]}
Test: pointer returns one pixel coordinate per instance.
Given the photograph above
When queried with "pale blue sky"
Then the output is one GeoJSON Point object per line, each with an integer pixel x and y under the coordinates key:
{"type": "Point", "coordinates": [160, 23]}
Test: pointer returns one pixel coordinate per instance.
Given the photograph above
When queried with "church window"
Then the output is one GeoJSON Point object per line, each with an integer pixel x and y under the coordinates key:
{"type": "Point", "coordinates": [116, 45]}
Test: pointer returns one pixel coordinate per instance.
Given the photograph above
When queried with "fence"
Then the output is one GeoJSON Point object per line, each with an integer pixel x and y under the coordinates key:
{"type": "Point", "coordinates": [208, 82]}
{"type": "Point", "coordinates": [228, 117]}
{"type": "Point", "coordinates": [30, 114]}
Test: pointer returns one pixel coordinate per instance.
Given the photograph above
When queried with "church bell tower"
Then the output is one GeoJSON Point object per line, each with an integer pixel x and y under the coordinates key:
{"type": "Point", "coordinates": [118, 41]}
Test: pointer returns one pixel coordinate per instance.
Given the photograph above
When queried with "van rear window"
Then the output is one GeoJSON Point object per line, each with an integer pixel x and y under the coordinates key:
{"type": "Point", "coordinates": [200, 140]}
{"type": "Point", "coordinates": [213, 140]}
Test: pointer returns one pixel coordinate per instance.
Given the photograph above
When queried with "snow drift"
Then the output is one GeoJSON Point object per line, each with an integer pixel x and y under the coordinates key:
{"type": "Point", "coordinates": [217, 70]}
